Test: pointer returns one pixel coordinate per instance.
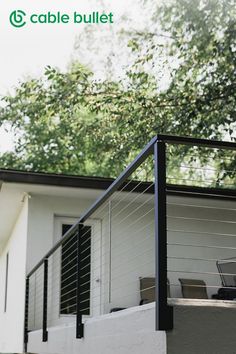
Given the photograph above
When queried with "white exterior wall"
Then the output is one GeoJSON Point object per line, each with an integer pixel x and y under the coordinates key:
{"type": "Point", "coordinates": [207, 223]}
{"type": "Point", "coordinates": [12, 321]}
{"type": "Point", "coordinates": [125, 332]}
{"type": "Point", "coordinates": [202, 327]}
{"type": "Point", "coordinates": [200, 222]}
{"type": "Point", "coordinates": [132, 250]}
{"type": "Point", "coordinates": [196, 220]}
{"type": "Point", "coordinates": [132, 253]}
{"type": "Point", "coordinates": [190, 221]}
{"type": "Point", "coordinates": [42, 213]}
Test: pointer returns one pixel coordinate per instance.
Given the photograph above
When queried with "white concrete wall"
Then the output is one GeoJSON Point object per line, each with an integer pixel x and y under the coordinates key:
{"type": "Point", "coordinates": [12, 321]}
{"type": "Point", "coordinates": [132, 245]}
{"type": "Point", "coordinates": [132, 252]}
{"type": "Point", "coordinates": [125, 332]}
{"type": "Point", "coordinates": [197, 221]}
{"type": "Point", "coordinates": [203, 327]}
{"type": "Point", "coordinates": [43, 232]}
{"type": "Point", "coordinates": [132, 240]}
{"type": "Point", "coordinates": [207, 223]}
{"type": "Point", "coordinates": [42, 213]}
{"type": "Point", "coordinates": [201, 222]}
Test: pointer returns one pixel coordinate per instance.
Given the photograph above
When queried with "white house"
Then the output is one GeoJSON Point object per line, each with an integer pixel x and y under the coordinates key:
{"type": "Point", "coordinates": [116, 264]}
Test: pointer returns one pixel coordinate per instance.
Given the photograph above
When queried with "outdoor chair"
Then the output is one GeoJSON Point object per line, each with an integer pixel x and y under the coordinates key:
{"type": "Point", "coordinates": [193, 288]}
{"type": "Point", "coordinates": [147, 289]}
{"type": "Point", "coordinates": [227, 271]}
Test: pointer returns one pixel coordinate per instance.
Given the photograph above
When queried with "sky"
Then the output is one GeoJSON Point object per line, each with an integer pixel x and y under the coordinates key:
{"type": "Point", "coordinates": [26, 51]}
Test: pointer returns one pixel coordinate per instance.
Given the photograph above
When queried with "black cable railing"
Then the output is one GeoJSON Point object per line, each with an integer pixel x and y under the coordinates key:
{"type": "Point", "coordinates": [134, 243]}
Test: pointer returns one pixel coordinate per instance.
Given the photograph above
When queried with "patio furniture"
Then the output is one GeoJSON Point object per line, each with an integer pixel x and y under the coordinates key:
{"type": "Point", "coordinates": [193, 288]}
{"type": "Point", "coordinates": [227, 271]}
{"type": "Point", "coordinates": [147, 289]}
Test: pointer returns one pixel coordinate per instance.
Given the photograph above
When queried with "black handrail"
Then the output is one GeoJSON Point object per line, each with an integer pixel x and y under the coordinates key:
{"type": "Point", "coordinates": [113, 187]}
{"type": "Point", "coordinates": [156, 147]}
{"type": "Point", "coordinates": [172, 139]}
{"type": "Point", "coordinates": [184, 140]}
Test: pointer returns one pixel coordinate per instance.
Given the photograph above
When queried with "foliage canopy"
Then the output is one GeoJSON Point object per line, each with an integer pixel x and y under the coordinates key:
{"type": "Point", "coordinates": [67, 122]}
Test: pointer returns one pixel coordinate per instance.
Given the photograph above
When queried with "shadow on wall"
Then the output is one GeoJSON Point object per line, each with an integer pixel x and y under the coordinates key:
{"type": "Point", "coordinates": [204, 329]}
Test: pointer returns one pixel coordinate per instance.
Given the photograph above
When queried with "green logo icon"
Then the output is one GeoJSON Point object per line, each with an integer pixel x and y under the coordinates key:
{"type": "Point", "coordinates": [17, 18]}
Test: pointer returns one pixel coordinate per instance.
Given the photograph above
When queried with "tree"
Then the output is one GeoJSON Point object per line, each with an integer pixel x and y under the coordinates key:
{"type": "Point", "coordinates": [71, 123]}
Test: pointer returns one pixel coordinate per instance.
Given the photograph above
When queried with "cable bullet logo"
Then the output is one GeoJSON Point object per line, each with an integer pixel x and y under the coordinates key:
{"type": "Point", "coordinates": [17, 18]}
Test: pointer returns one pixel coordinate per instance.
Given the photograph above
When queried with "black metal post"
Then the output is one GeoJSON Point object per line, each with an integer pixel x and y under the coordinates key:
{"type": "Point", "coordinates": [45, 301]}
{"type": "Point", "coordinates": [164, 313]}
{"type": "Point", "coordinates": [79, 324]}
{"type": "Point", "coordinates": [26, 313]}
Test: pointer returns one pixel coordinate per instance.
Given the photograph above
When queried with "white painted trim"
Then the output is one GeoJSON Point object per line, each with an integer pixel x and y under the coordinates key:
{"type": "Point", "coordinates": [95, 290]}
